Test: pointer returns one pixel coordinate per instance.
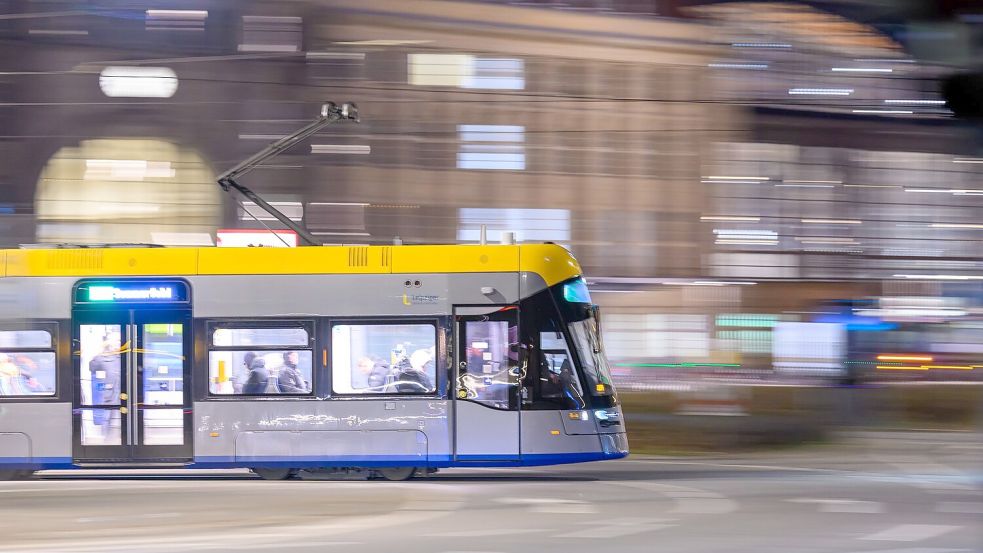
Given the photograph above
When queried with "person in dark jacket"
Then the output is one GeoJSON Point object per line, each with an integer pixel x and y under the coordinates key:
{"type": "Point", "coordinates": [105, 371]}
{"type": "Point", "coordinates": [241, 373]}
{"type": "Point", "coordinates": [290, 379]}
{"type": "Point", "coordinates": [411, 376]}
{"type": "Point", "coordinates": [258, 380]}
{"type": "Point", "coordinates": [374, 373]}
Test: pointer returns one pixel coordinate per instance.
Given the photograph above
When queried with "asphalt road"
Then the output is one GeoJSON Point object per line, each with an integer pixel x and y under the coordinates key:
{"type": "Point", "coordinates": [884, 493]}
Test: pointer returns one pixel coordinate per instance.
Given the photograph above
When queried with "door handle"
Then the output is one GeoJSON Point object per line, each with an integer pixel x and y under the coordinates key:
{"type": "Point", "coordinates": [123, 396]}
{"type": "Point", "coordinates": [124, 410]}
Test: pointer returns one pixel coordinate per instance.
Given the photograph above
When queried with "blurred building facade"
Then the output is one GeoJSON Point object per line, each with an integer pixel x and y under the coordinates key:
{"type": "Point", "coordinates": [687, 162]}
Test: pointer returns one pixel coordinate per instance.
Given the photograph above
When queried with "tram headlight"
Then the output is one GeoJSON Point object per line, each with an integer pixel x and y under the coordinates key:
{"type": "Point", "coordinates": [608, 417]}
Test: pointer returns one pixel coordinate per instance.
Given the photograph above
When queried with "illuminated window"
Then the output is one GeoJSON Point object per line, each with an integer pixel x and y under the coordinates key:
{"type": "Point", "coordinates": [532, 225]}
{"type": "Point", "coordinates": [138, 82]}
{"type": "Point", "coordinates": [27, 363]}
{"type": "Point", "coordinates": [466, 71]}
{"type": "Point", "coordinates": [493, 147]}
{"type": "Point", "coordinates": [261, 359]}
{"type": "Point", "coordinates": [497, 73]}
{"type": "Point", "coordinates": [125, 190]}
{"type": "Point", "coordinates": [384, 358]}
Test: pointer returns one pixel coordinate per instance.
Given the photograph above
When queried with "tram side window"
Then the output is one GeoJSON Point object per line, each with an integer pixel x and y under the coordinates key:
{"type": "Point", "coordinates": [260, 360]}
{"type": "Point", "coordinates": [383, 358]}
{"type": "Point", "coordinates": [27, 363]}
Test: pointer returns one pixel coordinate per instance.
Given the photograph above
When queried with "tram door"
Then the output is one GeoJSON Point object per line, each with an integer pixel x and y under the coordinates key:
{"type": "Point", "coordinates": [131, 349]}
{"type": "Point", "coordinates": [487, 384]}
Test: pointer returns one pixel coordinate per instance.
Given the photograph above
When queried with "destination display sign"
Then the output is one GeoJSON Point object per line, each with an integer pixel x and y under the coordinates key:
{"type": "Point", "coordinates": [114, 292]}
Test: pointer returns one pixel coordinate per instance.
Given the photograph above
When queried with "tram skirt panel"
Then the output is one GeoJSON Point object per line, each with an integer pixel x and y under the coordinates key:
{"type": "Point", "coordinates": [35, 435]}
{"type": "Point", "coordinates": [332, 448]}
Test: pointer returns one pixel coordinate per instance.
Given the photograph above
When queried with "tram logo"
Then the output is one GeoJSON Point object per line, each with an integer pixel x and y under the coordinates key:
{"type": "Point", "coordinates": [419, 299]}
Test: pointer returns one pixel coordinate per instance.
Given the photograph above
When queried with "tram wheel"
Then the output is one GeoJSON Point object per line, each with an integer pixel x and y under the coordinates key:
{"type": "Point", "coordinates": [273, 473]}
{"type": "Point", "coordinates": [397, 474]}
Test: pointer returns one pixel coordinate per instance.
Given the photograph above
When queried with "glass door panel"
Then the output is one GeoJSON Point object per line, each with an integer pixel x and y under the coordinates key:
{"type": "Point", "coordinates": [103, 350]}
{"type": "Point", "coordinates": [162, 415]}
{"type": "Point", "coordinates": [489, 370]}
{"type": "Point", "coordinates": [132, 396]}
{"type": "Point", "coordinates": [487, 376]}
{"type": "Point", "coordinates": [162, 361]}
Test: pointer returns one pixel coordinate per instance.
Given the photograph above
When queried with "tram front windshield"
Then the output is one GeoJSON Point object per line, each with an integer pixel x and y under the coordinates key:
{"type": "Point", "coordinates": [578, 313]}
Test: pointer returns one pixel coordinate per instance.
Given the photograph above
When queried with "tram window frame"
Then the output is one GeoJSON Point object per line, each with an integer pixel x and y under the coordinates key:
{"type": "Point", "coordinates": [308, 325]}
{"type": "Point", "coordinates": [511, 355]}
{"type": "Point", "coordinates": [438, 359]}
{"type": "Point", "coordinates": [539, 315]}
{"type": "Point", "coordinates": [52, 348]}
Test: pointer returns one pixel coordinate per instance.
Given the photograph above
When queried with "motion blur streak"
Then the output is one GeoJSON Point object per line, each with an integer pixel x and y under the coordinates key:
{"type": "Point", "coordinates": [775, 204]}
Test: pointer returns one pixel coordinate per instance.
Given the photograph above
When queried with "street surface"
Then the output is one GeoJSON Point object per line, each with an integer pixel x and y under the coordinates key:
{"type": "Point", "coordinates": [883, 493]}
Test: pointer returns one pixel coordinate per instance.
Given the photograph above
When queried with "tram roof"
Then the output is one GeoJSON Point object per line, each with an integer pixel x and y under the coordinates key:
{"type": "Point", "coordinates": [552, 262]}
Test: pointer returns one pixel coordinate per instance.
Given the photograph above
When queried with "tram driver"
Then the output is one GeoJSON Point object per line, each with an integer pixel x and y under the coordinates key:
{"type": "Point", "coordinates": [560, 383]}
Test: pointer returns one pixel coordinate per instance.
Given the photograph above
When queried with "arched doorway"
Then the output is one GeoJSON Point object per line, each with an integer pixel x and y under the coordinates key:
{"type": "Point", "coordinates": [111, 190]}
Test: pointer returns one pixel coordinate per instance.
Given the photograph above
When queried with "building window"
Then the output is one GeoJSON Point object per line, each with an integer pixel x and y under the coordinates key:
{"type": "Point", "coordinates": [384, 358]}
{"type": "Point", "coordinates": [27, 363]}
{"type": "Point", "coordinates": [493, 147]}
{"type": "Point", "coordinates": [261, 359]}
{"type": "Point", "coordinates": [466, 71]}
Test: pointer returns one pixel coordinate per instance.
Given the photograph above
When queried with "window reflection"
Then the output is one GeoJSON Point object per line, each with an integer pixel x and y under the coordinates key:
{"type": "Point", "coordinates": [384, 358]}
{"type": "Point", "coordinates": [27, 373]}
{"type": "Point", "coordinates": [489, 362]}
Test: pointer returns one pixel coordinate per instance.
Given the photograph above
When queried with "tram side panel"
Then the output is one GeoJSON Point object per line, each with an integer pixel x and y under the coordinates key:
{"type": "Point", "coordinates": [345, 430]}
{"type": "Point", "coordinates": [35, 435]}
{"type": "Point", "coordinates": [337, 433]}
{"type": "Point", "coordinates": [36, 429]}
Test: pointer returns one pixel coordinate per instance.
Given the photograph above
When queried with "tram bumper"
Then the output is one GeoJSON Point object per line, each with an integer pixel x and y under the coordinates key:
{"type": "Point", "coordinates": [605, 423]}
{"type": "Point", "coordinates": [610, 425]}
{"type": "Point", "coordinates": [614, 446]}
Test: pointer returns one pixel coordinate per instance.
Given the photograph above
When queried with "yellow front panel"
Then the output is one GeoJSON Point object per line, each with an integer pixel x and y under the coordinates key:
{"type": "Point", "coordinates": [455, 259]}
{"type": "Point", "coordinates": [553, 263]}
{"type": "Point", "coordinates": [307, 260]}
{"type": "Point", "coordinates": [103, 262]}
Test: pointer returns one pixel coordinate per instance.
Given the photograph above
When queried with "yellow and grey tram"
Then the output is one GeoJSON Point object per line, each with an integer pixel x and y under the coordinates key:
{"type": "Point", "coordinates": [391, 359]}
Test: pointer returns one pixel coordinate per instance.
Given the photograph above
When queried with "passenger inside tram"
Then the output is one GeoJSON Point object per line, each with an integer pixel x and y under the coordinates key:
{"type": "Point", "coordinates": [370, 375]}
{"type": "Point", "coordinates": [289, 379]}
{"type": "Point", "coordinates": [411, 372]}
{"type": "Point", "coordinates": [16, 379]}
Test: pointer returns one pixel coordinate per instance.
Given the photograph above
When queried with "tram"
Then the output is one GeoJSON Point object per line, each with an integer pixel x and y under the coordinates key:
{"type": "Point", "coordinates": [396, 360]}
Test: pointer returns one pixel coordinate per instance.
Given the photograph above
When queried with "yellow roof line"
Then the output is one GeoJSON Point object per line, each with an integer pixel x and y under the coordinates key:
{"type": "Point", "coordinates": [550, 261]}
